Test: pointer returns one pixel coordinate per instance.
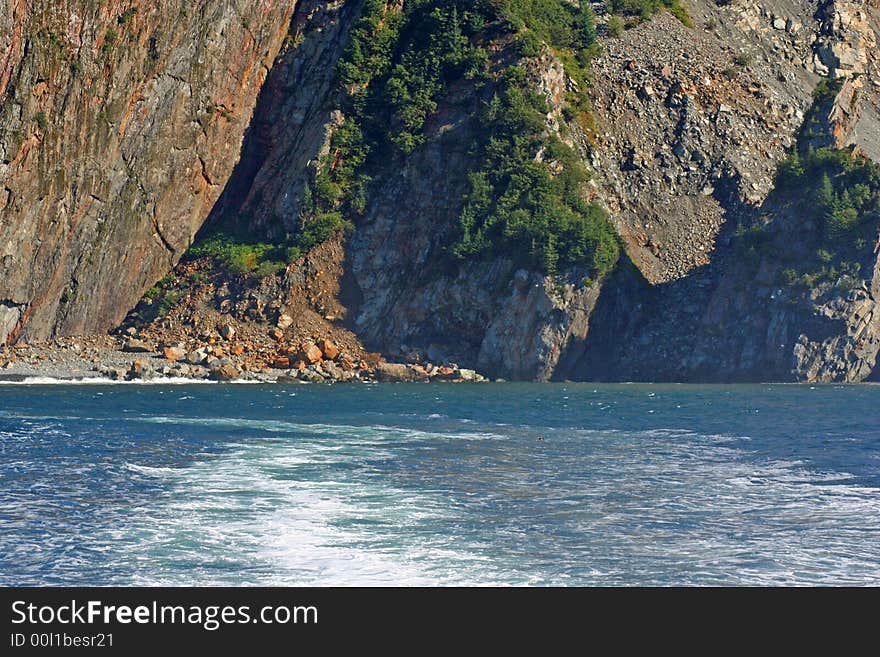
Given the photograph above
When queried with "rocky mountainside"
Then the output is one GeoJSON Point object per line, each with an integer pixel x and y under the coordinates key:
{"type": "Point", "coordinates": [681, 120]}
{"type": "Point", "coordinates": [743, 315]}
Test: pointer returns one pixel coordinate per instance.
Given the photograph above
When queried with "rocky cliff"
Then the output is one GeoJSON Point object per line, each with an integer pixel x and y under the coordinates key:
{"type": "Point", "coordinates": [120, 123]}
{"type": "Point", "coordinates": [397, 291]}
{"type": "Point", "coordinates": [682, 124]}
{"type": "Point", "coordinates": [740, 312]}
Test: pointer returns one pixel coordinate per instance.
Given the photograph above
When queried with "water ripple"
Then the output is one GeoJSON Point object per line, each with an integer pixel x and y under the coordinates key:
{"type": "Point", "coordinates": [444, 489]}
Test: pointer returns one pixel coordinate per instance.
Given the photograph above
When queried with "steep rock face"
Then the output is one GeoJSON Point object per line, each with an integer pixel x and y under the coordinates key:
{"type": "Point", "coordinates": [734, 321]}
{"type": "Point", "coordinates": [846, 40]}
{"type": "Point", "coordinates": [101, 191]}
{"type": "Point", "coordinates": [846, 47]}
{"type": "Point", "coordinates": [849, 354]}
{"type": "Point", "coordinates": [119, 125]}
{"type": "Point", "coordinates": [293, 122]}
{"type": "Point", "coordinates": [690, 123]}
{"type": "Point", "coordinates": [414, 299]}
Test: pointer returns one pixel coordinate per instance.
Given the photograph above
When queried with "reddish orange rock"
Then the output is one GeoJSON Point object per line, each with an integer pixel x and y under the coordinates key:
{"type": "Point", "coordinates": [281, 362]}
{"type": "Point", "coordinates": [237, 350]}
{"type": "Point", "coordinates": [277, 334]}
{"type": "Point", "coordinates": [173, 353]}
{"type": "Point", "coordinates": [311, 352]}
{"type": "Point", "coordinates": [300, 365]}
{"type": "Point", "coordinates": [331, 351]}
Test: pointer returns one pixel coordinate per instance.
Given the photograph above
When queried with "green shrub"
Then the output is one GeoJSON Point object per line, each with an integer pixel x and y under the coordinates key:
{"type": "Point", "coordinates": [242, 255]}
{"type": "Point", "coordinates": [127, 15]}
{"type": "Point", "coordinates": [682, 14]}
{"type": "Point", "coordinates": [645, 9]}
{"type": "Point", "coordinates": [743, 59]}
{"type": "Point", "coordinates": [839, 190]}
{"type": "Point", "coordinates": [519, 208]}
{"type": "Point", "coordinates": [168, 301]}
{"type": "Point", "coordinates": [109, 40]}
{"type": "Point", "coordinates": [400, 62]}
{"type": "Point", "coordinates": [320, 228]}
{"type": "Point", "coordinates": [789, 172]}
{"type": "Point", "coordinates": [239, 257]}
{"type": "Point", "coordinates": [528, 44]}
{"type": "Point", "coordinates": [789, 276]}
{"type": "Point", "coordinates": [615, 26]}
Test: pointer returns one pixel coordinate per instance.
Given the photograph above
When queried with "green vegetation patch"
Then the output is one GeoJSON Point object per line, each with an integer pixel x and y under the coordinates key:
{"type": "Point", "coordinates": [398, 64]}
{"type": "Point", "coordinates": [110, 39]}
{"type": "Point", "coordinates": [41, 120]}
{"type": "Point", "coordinates": [840, 192]}
{"type": "Point", "coordinates": [813, 128]}
{"type": "Point", "coordinates": [238, 257]}
{"type": "Point", "coordinates": [239, 253]}
{"type": "Point", "coordinates": [401, 61]}
{"type": "Point", "coordinates": [645, 9]}
{"type": "Point", "coordinates": [525, 198]}
{"type": "Point", "coordinates": [836, 188]}
{"type": "Point", "coordinates": [164, 295]}
{"type": "Point", "coordinates": [526, 208]}
{"type": "Point", "coordinates": [837, 192]}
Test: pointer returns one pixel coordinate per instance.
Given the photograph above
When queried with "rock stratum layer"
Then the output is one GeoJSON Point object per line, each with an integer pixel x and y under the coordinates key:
{"type": "Point", "coordinates": [109, 167]}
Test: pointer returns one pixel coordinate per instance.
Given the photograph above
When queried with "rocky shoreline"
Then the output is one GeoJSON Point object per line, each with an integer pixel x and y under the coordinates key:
{"type": "Point", "coordinates": [219, 359]}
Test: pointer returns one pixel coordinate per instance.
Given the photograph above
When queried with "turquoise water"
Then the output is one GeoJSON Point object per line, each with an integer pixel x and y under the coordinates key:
{"type": "Point", "coordinates": [419, 484]}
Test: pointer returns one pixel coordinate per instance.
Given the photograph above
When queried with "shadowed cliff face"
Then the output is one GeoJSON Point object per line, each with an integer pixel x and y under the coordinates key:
{"type": "Point", "coordinates": [119, 125]}
{"type": "Point", "coordinates": [292, 124]}
{"type": "Point", "coordinates": [416, 301]}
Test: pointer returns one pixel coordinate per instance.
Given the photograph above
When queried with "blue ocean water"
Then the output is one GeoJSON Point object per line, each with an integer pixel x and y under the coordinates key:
{"type": "Point", "coordinates": [501, 484]}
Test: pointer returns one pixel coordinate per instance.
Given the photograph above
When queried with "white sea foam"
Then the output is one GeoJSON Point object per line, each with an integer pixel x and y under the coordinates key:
{"type": "Point", "coordinates": [148, 470]}
{"type": "Point", "coordinates": [339, 504]}
{"type": "Point", "coordinates": [374, 432]}
{"type": "Point", "coordinates": [294, 533]}
{"type": "Point", "coordinates": [258, 507]}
